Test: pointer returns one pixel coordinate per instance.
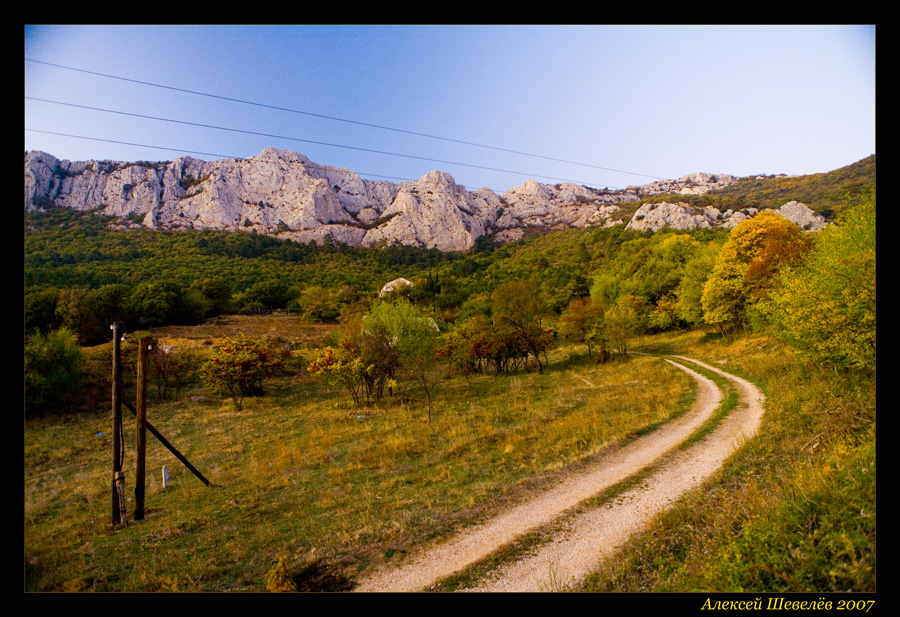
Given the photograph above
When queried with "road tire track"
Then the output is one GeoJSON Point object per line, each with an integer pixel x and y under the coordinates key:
{"type": "Point", "coordinates": [597, 534]}
{"type": "Point", "coordinates": [594, 534]}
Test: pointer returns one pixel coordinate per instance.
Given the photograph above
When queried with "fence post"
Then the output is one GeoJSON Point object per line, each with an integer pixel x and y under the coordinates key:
{"type": "Point", "coordinates": [140, 449]}
{"type": "Point", "coordinates": [119, 488]}
{"type": "Point", "coordinates": [118, 478]}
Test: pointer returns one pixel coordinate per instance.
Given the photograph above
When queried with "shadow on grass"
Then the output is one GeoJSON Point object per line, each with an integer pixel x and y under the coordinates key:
{"type": "Point", "coordinates": [711, 337]}
{"type": "Point", "coordinates": [319, 576]}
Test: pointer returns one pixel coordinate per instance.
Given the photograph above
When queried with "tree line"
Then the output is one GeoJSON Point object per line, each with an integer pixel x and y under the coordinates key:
{"type": "Point", "coordinates": [814, 291]}
{"type": "Point", "coordinates": [501, 311]}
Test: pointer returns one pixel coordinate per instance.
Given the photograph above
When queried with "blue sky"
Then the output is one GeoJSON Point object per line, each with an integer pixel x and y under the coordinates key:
{"type": "Point", "coordinates": [491, 105]}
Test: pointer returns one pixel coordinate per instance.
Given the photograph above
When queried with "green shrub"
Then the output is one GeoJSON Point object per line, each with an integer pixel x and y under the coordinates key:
{"type": "Point", "coordinates": [54, 366]}
{"type": "Point", "coordinates": [240, 366]}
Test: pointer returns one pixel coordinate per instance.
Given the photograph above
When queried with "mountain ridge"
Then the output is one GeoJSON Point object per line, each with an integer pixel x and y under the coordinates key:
{"type": "Point", "coordinates": [284, 194]}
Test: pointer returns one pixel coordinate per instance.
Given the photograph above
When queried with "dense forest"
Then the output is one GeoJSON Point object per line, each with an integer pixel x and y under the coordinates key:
{"type": "Point", "coordinates": [595, 285]}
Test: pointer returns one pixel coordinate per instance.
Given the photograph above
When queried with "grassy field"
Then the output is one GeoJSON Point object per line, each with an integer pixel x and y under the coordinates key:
{"type": "Point", "coordinates": [301, 475]}
{"type": "Point", "coordinates": [793, 511]}
{"type": "Point", "coordinates": [303, 478]}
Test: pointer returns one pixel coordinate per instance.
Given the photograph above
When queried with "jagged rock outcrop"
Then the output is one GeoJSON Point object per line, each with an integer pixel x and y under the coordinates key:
{"type": "Point", "coordinates": [435, 212]}
{"type": "Point", "coordinates": [681, 216]}
{"type": "Point", "coordinates": [283, 193]}
{"type": "Point", "coordinates": [395, 285]}
{"type": "Point", "coordinates": [692, 184]}
{"type": "Point", "coordinates": [558, 206]}
{"type": "Point", "coordinates": [801, 215]}
{"type": "Point", "coordinates": [653, 217]}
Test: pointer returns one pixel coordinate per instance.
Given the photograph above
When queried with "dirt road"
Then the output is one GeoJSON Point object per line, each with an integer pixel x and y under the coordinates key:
{"type": "Point", "coordinates": [595, 534]}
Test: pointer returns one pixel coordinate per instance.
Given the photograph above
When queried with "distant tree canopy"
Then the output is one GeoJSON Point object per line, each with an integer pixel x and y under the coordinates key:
{"type": "Point", "coordinates": [151, 277]}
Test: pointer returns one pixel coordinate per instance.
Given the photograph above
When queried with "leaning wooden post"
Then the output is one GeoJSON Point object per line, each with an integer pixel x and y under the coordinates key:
{"type": "Point", "coordinates": [140, 450]}
{"type": "Point", "coordinates": [117, 477]}
{"type": "Point", "coordinates": [169, 446]}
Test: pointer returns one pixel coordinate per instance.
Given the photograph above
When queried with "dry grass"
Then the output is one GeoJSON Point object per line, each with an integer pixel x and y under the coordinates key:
{"type": "Point", "coordinates": [793, 512]}
{"type": "Point", "coordinates": [297, 331]}
{"type": "Point", "coordinates": [301, 474]}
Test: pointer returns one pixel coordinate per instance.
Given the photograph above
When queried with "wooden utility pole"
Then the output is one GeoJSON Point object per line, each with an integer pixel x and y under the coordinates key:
{"type": "Point", "coordinates": [140, 449]}
{"type": "Point", "coordinates": [140, 413]}
{"type": "Point", "coordinates": [118, 478]}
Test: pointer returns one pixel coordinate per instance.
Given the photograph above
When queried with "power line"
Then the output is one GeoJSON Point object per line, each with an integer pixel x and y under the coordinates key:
{"type": "Point", "coordinates": [137, 145]}
{"type": "Point", "coordinates": [129, 143]}
{"type": "Point", "coordinates": [309, 141]}
{"type": "Point", "coordinates": [336, 119]}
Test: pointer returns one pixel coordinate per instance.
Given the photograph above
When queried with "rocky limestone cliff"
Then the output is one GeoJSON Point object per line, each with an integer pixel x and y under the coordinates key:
{"type": "Point", "coordinates": [283, 193]}
{"type": "Point", "coordinates": [656, 216]}
{"type": "Point", "coordinates": [692, 184]}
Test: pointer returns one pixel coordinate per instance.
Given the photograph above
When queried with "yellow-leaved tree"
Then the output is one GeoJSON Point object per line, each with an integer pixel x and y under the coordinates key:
{"type": "Point", "coordinates": [745, 268]}
{"type": "Point", "coordinates": [825, 305]}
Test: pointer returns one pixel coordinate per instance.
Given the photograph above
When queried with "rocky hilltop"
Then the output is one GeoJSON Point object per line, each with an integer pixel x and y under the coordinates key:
{"type": "Point", "coordinates": [283, 193]}
{"type": "Point", "coordinates": [656, 216]}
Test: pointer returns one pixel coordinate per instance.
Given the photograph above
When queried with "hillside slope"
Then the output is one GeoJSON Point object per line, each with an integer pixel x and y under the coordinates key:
{"type": "Point", "coordinates": [284, 194]}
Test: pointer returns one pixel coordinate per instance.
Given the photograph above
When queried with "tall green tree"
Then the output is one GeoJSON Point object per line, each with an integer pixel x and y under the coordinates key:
{"type": "Point", "coordinates": [155, 304]}
{"type": "Point", "coordinates": [216, 294]}
{"type": "Point", "coordinates": [581, 320]}
{"type": "Point", "coordinates": [689, 293]}
{"type": "Point", "coordinates": [412, 338]}
{"type": "Point", "coordinates": [521, 307]}
{"type": "Point", "coordinates": [40, 310]}
{"type": "Point", "coordinates": [341, 368]}
{"type": "Point", "coordinates": [269, 294]}
{"type": "Point", "coordinates": [460, 346]}
{"type": "Point", "coordinates": [395, 340]}
{"type": "Point", "coordinates": [54, 369]}
{"type": "Point", "coordinates": [318, 304]}
{"type": "Point", "coordinates": [825, 305]}
{"type": "Point", "coordinates": [90, 312]}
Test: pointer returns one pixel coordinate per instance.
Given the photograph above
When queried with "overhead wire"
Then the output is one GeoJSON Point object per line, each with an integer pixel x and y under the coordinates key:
{"type": "Point", "coordinates": [129, 143]}
{"type": "Point", "coordinates": [338, 119]}
{"type": "Point", "coordinates": [198, 153]}
{"type": "Point", "coordinates": [333, 118]}
{"type": "Point", "coordinates": [298, 139]}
